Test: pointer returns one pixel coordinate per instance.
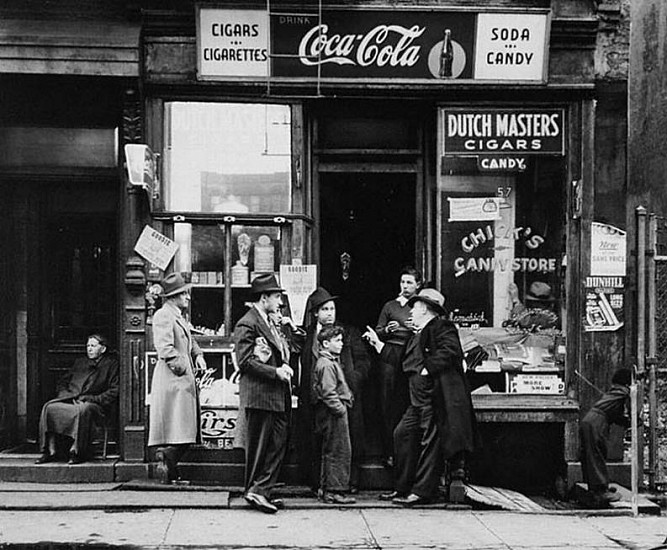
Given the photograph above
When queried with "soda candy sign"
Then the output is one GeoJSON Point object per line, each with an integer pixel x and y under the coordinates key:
{"type": "Point", "coordinates": [510, 47]}
{"type": "Point", "coordinates": [503, 131]}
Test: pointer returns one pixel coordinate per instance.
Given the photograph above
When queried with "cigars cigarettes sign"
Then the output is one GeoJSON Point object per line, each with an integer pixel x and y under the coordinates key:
{"type": "Point", "coordinates": [372, 44]}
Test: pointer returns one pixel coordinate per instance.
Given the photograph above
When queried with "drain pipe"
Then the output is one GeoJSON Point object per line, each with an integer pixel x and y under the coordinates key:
{"type": "Point", "coordinates": [651, 360]}
{"type": "Point", "coordinates": [641, 328]}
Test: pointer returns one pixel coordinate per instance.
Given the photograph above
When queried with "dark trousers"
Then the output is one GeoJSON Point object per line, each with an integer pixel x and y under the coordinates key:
{"type": "Point", "coordinates": [70, 419]}
{"type": "Point", "coordinates": [594, 430]}
{"type": "Point", "coordinates": [418, 460]}
{"type": "Point", "coordinates": [332, 436]}
{"type": "Point", "coordinates": [393, 394]}
{"type": "Point", "coordinates": [266, 444]}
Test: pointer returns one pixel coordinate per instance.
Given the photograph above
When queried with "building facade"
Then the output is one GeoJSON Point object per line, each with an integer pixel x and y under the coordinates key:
{"type": "Point", "coordinates": [340, 142]}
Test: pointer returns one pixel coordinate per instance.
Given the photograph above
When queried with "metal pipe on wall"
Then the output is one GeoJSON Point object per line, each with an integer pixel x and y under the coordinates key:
{"type": "Point", "coordinates": [640, 217]}
{"type": "Point", "coordinates": [653, 462]}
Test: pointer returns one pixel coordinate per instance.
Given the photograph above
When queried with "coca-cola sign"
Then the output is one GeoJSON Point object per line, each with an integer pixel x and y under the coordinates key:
{"type": "Point", "coordinates": [370, 44]}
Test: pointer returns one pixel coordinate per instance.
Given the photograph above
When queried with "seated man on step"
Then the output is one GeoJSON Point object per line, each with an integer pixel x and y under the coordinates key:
{"type": "Point", "coordinates": [86, 395]}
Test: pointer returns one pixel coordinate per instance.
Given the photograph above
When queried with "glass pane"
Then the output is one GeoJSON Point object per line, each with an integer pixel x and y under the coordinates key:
{"type": "Point", "coordinates": [255, 250]}
{"type": "Point", "coordinates": [227, 157]}
{"type": "Point", "coordinates": [200, 257]}
{"type": "Point", "coordinates": [502, 244]}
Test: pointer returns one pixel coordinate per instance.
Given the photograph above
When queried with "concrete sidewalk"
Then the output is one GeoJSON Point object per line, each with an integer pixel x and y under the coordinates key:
{"type": "Point", "coordinates": [110, 516]}
{"type": "Point", "coordinates": [377, 528]}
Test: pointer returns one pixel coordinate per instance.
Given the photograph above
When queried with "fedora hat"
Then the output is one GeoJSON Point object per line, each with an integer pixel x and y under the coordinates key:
{"type": "Point", "coordinates": [432, 298]}
{"type": "Point", "coordinates": [265, 284]}
{"type": "Point", "coordinates": [540, 292]}
{"type": "Point", "coordinates": [319, 297]}
{"type": "Point", "coordinates": [174, 284]}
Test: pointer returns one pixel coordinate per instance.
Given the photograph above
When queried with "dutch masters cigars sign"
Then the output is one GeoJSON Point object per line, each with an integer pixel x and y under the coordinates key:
{"type": "Point", "coordinates": [469, 132]}
{"type": "Point", "coordinates": [372, 44]}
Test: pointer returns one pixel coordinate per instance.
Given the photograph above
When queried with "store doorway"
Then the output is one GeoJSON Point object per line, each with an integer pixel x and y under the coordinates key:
{"type": "Point", "coordinates": [76, 286]}
{"type": "Point", "coordinates": [367, 234]}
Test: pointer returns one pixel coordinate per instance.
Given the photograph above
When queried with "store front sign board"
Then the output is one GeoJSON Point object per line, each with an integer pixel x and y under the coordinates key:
{"type": "Point", "coordinates": [373, 44]}
{"type": "Point", "coordinates": [502, 132]}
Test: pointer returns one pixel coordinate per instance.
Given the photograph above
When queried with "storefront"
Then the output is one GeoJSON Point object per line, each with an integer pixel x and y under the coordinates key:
{"type": "Point", "coordinates": [335, 147]}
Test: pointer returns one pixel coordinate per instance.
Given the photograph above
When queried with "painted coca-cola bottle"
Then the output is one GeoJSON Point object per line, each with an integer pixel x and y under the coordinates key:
{"type": "Point", "coordinates": [446, 55]}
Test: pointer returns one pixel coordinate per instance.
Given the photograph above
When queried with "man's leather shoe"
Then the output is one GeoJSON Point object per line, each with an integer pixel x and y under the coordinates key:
{"type": "Point", "coordinates": [45, 458]}
{"type": "Point", "coordinates": [278, 503]}
{"type": "Point", "coordinates": [391, 496]}
{"type": "Point", "coordinates": [260, 502]}
{"type": "Point", "coordinates": [411, 500]}
{"type": "Point", "coordinates": [75, 459]}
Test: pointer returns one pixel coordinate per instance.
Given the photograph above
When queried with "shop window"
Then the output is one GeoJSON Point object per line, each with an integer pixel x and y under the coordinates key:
{"type": "Point", "coordinates": [502, 248]}
{"type": "Point", "coordinates": [227, 157]}
{"type": "Point", "coordinates": [201, 259]}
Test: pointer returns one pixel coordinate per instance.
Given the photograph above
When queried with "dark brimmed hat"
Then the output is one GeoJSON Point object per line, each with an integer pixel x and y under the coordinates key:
{"type": "Point", "coordinates": [540, 292]}
{"type": "Point", "coordinates": [265, 284]}
{"type": "Point", "coordinates": [318, 298]}
{"type": "Point", "coordinates": [432, 298]}
{"type": "Point", "coordinates": [174, 284]}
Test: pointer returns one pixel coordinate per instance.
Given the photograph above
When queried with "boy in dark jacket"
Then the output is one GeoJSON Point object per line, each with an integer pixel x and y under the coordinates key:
{"type": "Point", "coordinates": [611, 408]}
{"type": "Point", "coordinates": [332, 398]}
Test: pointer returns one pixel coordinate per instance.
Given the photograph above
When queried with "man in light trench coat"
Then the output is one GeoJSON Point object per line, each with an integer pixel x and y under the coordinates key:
{"type": "Point", "coordinates": [174, 413]}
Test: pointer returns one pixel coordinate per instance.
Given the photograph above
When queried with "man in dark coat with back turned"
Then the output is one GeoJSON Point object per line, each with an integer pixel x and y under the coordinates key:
{"type": "Point", "coordinates": [355, 362]}
{"type": "Point", "coordinates": [87, 395]}
{"type": "Point", "coordinates": [264, 392]}
{"type": "Point", "coordinates": [439, 424]}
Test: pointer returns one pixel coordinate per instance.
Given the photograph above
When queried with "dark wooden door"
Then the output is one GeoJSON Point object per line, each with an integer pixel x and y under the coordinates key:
{"type": "Point", "coordinates": [77, 293]}
{"type": "Point", "coordinates": [371, 218]}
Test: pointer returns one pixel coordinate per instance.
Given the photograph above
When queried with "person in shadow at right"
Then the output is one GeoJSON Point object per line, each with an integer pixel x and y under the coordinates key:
{"type": "Point", "coordinates": [611, 408]}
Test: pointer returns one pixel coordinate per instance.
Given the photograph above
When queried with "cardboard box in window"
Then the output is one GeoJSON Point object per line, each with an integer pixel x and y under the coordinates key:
{"type": "Point", "coordinates": [549, 384]}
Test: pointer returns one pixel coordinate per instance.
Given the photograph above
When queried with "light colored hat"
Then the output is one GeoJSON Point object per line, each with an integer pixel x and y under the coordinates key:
{"type": "Point", "coordinates": [432, 298]}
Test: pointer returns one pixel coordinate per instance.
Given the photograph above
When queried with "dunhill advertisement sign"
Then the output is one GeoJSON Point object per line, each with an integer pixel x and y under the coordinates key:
{"type": "Point", "coordinates": [363, 44]}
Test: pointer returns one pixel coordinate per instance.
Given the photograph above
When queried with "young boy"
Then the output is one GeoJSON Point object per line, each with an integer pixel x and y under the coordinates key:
{"type": "Point", "coordinates": [332, 398]}
{"type": "Point", "coordinates": [611, 408]}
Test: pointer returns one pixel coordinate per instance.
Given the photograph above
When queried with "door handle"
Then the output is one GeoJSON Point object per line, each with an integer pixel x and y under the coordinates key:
{"type": "Point", "coordinates": [345, 265]}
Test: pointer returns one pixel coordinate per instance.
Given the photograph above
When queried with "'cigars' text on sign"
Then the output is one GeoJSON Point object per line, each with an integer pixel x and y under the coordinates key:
{"type": "Point", "coordinates": [232, 43]}
{"type": "Point", "coordinates": [503, 131]}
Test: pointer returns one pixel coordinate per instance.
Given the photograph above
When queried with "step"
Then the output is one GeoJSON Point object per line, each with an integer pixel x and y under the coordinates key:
{"type": "Point", "coordinates": [644, 505]}
{"type": "Point", "coordinates": [619, 472]}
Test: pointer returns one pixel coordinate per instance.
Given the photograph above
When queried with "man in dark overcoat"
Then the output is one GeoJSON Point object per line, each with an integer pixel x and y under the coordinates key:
{"type": "Point", "coordinates": [439, 424]}
{"type": "Point", "coordinates": [264, 392]}
{"type": "Point", "coordinates": [86, 395]}
{"type": "Point", "coordinates": [355, 362]}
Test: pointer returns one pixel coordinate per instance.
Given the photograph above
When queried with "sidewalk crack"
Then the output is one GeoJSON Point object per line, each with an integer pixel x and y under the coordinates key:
{"type": "Point", "coordinates": [166, 531]}
{"type": "Point", "coordinates": [373, 541]}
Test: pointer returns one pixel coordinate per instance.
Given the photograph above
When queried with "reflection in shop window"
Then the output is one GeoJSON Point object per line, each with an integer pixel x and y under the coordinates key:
{"type": "Point", "coordinates": [227, 157]}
